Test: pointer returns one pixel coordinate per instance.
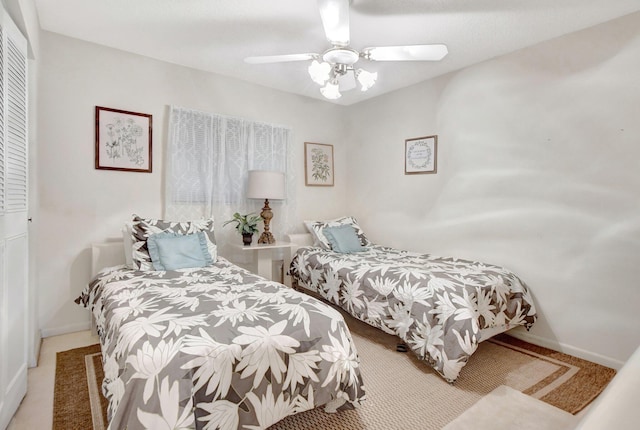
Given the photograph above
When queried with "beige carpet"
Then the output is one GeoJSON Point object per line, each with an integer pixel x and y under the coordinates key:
{"type": "Point", "coordinates": [404, 393]}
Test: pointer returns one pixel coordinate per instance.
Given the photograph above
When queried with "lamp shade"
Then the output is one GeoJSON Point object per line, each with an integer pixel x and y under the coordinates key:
{"type": "Point", "coordinates": [265, 184]}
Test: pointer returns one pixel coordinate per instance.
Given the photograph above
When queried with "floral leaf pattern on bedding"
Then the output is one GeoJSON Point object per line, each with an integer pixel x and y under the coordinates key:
{"type": "Point", "coordinates": [217, 347]}
{"type": "Point", "coordinates": [438, 306]}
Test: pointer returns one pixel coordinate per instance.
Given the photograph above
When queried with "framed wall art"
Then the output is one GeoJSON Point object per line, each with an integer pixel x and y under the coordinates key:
{"type": "Point", "coordinates": [318, 164]}
{"type": "Point", "coordinates": [123, 140]}
{"type": "Point", "coordinates": [421, 155]}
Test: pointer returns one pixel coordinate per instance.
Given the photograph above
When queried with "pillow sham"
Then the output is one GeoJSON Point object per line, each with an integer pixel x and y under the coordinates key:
{"type": "Point", "coordinates": [172, 251]}
{"type": "Point", "coordinates": [143, 228]}
{"type": "Point", "coordinates": [316, 227]}
{"type": "Point", "coordinates": [343, 239]}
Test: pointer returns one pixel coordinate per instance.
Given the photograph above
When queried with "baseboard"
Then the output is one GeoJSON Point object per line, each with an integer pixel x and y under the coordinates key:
{"type": "Point", "coordinates": [16, 390]}
{"type": "Point", "coordinates": [71, 328]}
{"type": "Point", "coordinates": [567, 349]}
{"type": "Point", "coordinates": [35, 350]}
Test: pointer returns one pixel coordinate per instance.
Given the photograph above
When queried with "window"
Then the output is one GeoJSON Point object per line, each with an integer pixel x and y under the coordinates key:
{"type": "Point", "coordinates": [209, 157]}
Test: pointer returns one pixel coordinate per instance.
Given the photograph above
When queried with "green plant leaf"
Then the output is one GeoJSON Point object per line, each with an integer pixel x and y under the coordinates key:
{"type": "Point", "coordinates": [245, 223]}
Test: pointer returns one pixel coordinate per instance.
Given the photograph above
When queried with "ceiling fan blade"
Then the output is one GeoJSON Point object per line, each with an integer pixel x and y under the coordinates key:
{"type": "Point", "coordinates": [279, 58]}
{"type": "Point", "coordinates": [335, 19]}
{"type": "Point", "coordinates": [406, 53]}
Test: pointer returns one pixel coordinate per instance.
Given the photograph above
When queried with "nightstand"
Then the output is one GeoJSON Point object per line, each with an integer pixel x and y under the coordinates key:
{"type": "Point", "coordinates": [263, 254]}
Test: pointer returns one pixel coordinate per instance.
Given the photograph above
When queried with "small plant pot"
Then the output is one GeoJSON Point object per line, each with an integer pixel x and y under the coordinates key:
{"type": "Point", "coordinates": [247, 239]}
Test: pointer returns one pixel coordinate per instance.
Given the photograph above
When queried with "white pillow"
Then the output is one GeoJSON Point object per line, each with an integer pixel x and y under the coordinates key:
{"type": "Point", "coordinates": [128, 245]}
{"type": "Point", "coordinates": [309, 225]}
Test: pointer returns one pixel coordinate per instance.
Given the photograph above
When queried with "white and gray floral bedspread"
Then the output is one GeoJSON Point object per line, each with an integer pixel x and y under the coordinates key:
{"type": "Point", "coordinates": [217, 348]}
{"type": "Point", "coordinates": [437, 306]}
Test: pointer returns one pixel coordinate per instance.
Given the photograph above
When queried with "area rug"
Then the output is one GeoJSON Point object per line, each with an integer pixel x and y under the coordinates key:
{"type": "Point", "coordinates": [506, 408]}
{"type": "Point", "coordinates": [71, 400]}
{"type": "Point", "coordinates": [402, 391]}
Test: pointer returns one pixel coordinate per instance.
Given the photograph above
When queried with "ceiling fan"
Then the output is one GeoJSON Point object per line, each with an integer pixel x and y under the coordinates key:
{"type": "Point", "coordinates": [334, 68]}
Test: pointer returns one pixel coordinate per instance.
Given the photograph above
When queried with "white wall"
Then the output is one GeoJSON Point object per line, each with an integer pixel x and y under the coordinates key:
{"type": "Point", "coordinates": [79, 205]}
{"type": "Point", "coordinates": [538, 170]}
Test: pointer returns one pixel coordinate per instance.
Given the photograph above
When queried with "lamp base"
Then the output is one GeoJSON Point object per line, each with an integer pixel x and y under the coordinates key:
{"type": "Point", "coordinates": [266, 214]}
{"type": "Point", "coordinates": [267, 237]}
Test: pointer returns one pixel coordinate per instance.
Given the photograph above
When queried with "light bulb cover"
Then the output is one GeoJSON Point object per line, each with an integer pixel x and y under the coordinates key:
{"type": "Point", "coordinates": [331, 90]}
{"type": "Point", "coordinates": [366, 79]}
{"type": "Point", "coordinates": [319, 72]}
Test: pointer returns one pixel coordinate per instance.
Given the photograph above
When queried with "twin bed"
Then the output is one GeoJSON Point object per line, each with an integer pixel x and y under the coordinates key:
{"type": "Point", "coordinates": [215, 346]}
{"type": "Point", "coordinates": [441, 308]}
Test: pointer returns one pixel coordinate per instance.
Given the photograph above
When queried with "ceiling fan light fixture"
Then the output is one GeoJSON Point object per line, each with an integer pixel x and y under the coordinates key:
{"type": "Point", "coordinates": [366, 79]}
{"type": "Point", "coordinates": [335, 69]}
{"type": "Point", "coordinates": [331, 90]}
{"type": "Point", "coordinates": [338, 55]}
{"type": "Point", "coordinates": [319, 72]}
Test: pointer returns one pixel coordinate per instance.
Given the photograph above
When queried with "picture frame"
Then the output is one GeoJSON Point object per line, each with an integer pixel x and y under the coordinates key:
{"type": "Point", "coordinates": [421, 155]}
{"type": "Point", "coordinates": [123, 140]}
{"type": "Point", "coordinates": [318, 164]}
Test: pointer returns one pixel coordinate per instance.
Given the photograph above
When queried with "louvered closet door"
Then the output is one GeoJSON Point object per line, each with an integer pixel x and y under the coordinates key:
{"type": "Point", "coordinates": [14, 297]}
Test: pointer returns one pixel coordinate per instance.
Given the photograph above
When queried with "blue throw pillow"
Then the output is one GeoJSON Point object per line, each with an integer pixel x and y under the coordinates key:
{"type": "Point", "coordinates": [343, 239]}
{"type": "Point", "coordinates": [171, 251]}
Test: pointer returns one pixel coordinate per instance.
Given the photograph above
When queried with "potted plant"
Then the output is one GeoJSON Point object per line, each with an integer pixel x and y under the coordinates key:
{"type": "Point", "coordinates": [246, 225]}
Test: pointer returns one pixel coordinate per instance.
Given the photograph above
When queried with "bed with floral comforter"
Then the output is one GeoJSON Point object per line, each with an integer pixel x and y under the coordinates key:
{"type": "Point", "coordinates": [217, 348]}
{"type": "Point", "coordinates": [440, 307]}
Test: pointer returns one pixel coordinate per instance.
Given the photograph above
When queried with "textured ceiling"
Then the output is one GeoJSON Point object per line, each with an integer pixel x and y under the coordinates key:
{"type": "Point", "coordinates": [216, 35]}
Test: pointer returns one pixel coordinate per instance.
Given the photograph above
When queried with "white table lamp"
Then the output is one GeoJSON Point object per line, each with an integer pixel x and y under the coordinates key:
{"type": "Point", "coordinates": [264, 184]}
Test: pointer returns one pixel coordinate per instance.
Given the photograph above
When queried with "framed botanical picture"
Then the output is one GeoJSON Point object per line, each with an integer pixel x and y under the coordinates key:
{"type": "Point", "coordinates": [421, 155]}
{"type": "Point", "coordinates": [318, 164]}
{"type": "Point", "coordinates": [123, 140]}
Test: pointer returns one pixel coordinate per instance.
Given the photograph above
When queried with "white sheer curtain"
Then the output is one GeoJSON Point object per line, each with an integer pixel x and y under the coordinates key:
{"type": "Point", "coordinates": [208, 159]}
